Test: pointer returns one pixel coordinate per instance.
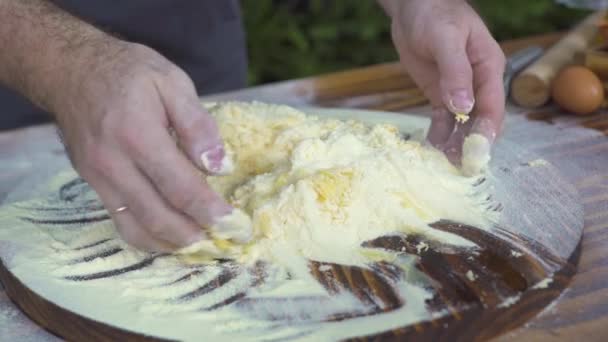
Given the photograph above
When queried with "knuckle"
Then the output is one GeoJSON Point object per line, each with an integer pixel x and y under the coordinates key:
{"type": "Point", "coordinates": [143, 57]}
{"type": "Point", "coordinates": [147, 66]}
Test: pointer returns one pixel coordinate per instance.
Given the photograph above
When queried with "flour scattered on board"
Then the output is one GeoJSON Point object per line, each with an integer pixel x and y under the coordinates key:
{"type": "Point", "coordinates": [7, 314]}
{"type": "Point", "coordinates": [509, 301]}
{"type": "Point", "coordinates": [15, 326]}
{"type": "Point", "coordinates": [516, 254]}
{"type": "Point", "coordinates": [543, 284]}
{"type": "Point", "coordinates": [537, 163]}
{"type": "Point", "coordinates": [324, 268]}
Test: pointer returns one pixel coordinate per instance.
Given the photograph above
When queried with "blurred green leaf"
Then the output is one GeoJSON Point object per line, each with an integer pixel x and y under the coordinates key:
{"type": "Point", "coordinates": [299, 38]}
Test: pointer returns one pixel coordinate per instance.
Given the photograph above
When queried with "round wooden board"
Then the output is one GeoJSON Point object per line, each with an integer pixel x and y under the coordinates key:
{"type": "Point", "coordinates": [517, 272]}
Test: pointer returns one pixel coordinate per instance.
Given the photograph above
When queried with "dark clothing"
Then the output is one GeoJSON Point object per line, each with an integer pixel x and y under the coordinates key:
{"type": "Point", "coordinates": [203, 37]}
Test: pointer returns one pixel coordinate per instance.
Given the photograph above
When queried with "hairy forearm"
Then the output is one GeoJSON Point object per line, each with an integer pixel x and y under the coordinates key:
{"type": "Point", "coordinates": [42, 46]}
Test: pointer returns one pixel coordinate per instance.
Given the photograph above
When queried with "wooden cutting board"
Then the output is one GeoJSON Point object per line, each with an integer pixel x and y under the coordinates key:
{"type": "Point", "coordinates": [522, 265]}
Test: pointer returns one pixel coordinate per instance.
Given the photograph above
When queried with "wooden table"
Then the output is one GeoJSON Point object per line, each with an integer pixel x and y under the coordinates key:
{"type": "Point", "coordinates": [581, 313]}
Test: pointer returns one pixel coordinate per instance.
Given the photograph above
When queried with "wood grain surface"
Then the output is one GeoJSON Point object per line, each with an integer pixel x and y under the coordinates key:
{"type": "Point", "coordinates": [581, 313]}
{"type": "Point", "coordinates": [476, 306]}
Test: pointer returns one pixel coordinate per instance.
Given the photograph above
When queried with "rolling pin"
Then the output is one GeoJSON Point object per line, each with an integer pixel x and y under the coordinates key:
{"type": "Point", "coordinates": [532, 87]}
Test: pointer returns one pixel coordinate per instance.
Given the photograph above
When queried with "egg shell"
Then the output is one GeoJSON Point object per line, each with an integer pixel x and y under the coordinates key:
{"type": "Point", "coordinates": [578, 90]}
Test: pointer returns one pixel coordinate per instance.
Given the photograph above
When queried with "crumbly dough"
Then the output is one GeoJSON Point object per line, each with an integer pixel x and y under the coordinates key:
{"type": "Point", "coordinates": [319, 187]}
{"type": "Point", "coordinates": [461, 117]}
{"type": "Point", "coordinates": [475, 154]}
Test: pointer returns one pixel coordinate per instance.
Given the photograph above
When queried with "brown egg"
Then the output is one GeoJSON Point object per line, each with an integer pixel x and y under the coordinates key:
{"type": "Point", "coordinates": [578, 90]}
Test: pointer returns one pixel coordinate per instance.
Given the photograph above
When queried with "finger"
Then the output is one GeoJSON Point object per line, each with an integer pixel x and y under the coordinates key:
{"type": "Point", "coordinates": [148, 208]}
{"type": "Point", "coordinates": [489, 112]}
{"type": "Point", "coordinates": [442, 126]}
{"type": "Point", "coordinates": [133, 234]}
{"type": "Point", "coordinates": [490, 108]}
{"type": "Point", "coordinates": [455, 74]}
{"type": "Point", "coordinates": [196, 128]}
{"type": "Point", "coordinates": [126, 225]}
{"type": "Point", "coordinates": [160, 160]}
{"type": "Point", "coordinates": [425, 75]}
{"type": "Point", "coordinates": [442, 121]}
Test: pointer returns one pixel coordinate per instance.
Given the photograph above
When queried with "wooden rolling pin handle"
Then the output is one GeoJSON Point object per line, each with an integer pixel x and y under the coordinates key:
{"type": "Point", "coordinates": [532, 87]}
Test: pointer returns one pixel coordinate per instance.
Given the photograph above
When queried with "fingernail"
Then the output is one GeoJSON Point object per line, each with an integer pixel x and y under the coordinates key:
{"type": "Point", "coordinates": [460, 101]}
{"type": "Point", "coordinates": [216, 161]}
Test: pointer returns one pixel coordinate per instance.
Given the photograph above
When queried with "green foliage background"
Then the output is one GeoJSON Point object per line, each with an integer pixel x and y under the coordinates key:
{"type": "Point", "coordinates": [298, 38]}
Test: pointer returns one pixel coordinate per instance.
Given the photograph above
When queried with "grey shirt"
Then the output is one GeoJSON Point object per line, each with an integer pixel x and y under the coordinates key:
{"type": "Point", "coordinates": [203, 37]}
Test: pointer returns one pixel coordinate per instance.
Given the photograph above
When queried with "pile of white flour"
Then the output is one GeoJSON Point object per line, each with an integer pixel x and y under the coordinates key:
{"type": "Point", "coordinates": [319, 188]}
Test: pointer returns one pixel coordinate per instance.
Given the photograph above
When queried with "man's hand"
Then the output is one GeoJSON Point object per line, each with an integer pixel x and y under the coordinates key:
{"type": "Point", "coordinates": [116, 127]}
{"type": "Point", "coordinates": [115, 103]}
{"type": "Point", "coordinates": [448, 51]}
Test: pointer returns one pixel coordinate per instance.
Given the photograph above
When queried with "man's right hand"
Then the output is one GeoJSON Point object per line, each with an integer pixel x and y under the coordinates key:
{"type": "Point", "coordinates": [115, 118]}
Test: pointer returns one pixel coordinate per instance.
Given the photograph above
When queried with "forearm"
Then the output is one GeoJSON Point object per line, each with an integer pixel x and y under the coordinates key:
{"type": "Point", "coordinates": [42, 45]}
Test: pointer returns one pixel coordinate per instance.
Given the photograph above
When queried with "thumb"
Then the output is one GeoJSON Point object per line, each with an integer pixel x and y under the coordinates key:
{"type": "Point", "coordinates": [455, 73]}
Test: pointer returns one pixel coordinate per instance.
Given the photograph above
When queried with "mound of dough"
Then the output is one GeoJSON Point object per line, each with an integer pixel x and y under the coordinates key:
{"type": "Point", "coordinates": [319, 188]}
